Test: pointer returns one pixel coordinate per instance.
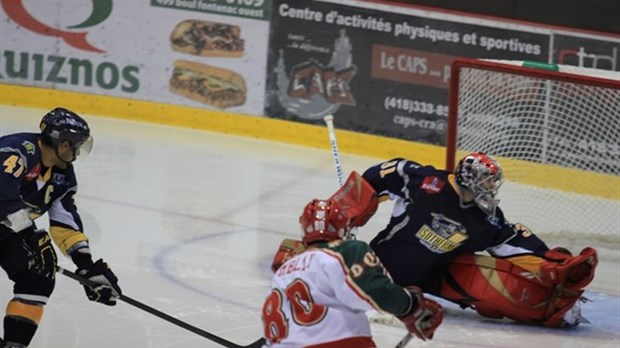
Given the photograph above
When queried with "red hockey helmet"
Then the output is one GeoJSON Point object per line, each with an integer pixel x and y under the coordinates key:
{"type": "Point", "coordinates": [323, 221]}
{"type": "Point", "coordinates": [482, 175]}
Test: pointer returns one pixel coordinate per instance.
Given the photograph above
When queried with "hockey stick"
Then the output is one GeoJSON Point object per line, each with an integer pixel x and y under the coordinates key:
{"type": "Point", "coordinates": [404, 341]}
{"type": "Point", "coordinates": [329, 120]}
{"type": "Point", "coordinates": [259, 343]}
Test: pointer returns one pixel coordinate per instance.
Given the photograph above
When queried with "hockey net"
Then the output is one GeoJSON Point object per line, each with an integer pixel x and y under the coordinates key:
{"type": "Point", "coordinates": [556, 131]}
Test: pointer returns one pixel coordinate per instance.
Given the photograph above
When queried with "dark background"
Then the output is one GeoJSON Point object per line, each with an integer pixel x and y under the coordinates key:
{"type": "Point", "coordinates": [599, 15]}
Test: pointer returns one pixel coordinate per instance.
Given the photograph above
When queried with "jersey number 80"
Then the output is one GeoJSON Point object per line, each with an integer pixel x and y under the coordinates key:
{"type": "Point", "coordinates": [303, 309]}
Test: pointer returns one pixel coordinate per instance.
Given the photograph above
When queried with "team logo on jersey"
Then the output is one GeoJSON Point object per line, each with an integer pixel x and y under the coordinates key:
{"type": "Point", "coordinates": [432, 185]}
{"type": "Point", "coordinates": [494, 221]}
{"type": "Point", "coordinates": [30, 148]}
{"type": "Point", "coordinates": [34, 173]}
{"type": "Point", "coordinates": [444, 235]}
{"type": "Point", "coordinates": [58, 178]}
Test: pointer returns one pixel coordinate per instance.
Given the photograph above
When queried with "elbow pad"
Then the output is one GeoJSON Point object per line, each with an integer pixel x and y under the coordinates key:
{"type": "Point", "coordinates": [18, 221]}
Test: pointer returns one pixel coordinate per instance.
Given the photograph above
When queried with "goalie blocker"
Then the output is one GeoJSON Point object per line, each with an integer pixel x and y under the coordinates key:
{"type": "Point", "coordinates": [358, 200]}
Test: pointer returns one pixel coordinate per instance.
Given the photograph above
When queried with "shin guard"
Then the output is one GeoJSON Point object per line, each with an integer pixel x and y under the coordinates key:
{"type": "Point", "coordinates": [21, 321]}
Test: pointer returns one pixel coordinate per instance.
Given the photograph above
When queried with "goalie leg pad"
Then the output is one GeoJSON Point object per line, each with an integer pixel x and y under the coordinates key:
{"type": "Point", "coordinates": [496, 288]}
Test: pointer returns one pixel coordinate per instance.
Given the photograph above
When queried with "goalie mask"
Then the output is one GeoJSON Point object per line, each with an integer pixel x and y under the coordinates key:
{"type": "Point", "coordinates": [323, 221]}
{"type": "Point", "coordinates": [60, 125]}
{"type": "Point", "coordinates": [481, 175]}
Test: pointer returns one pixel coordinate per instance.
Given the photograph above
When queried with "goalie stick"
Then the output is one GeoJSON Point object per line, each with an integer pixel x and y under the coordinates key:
{"type": "Point", "coordinates": [257, 344]}
{"type": "Point", "coordinates": [329, 121]}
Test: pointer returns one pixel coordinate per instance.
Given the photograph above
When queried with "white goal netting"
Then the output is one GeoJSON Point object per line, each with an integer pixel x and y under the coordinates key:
{"type": "Point", "coordinates": [556, 133]}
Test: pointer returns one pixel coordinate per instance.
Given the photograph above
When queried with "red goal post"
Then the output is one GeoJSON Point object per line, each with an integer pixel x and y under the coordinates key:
{"type": "Point", "coordinates": [556, 131]}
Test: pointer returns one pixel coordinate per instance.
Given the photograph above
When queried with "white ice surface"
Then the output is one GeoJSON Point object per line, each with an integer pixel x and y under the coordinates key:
{"type": "Point", "coordinates": [189, 221]}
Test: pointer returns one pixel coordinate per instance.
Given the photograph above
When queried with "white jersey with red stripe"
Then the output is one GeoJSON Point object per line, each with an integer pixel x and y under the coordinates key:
{"type": "Point", "coordinates": [322, 294]}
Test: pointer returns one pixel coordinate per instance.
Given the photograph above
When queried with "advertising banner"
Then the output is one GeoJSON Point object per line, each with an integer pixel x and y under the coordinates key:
{"type": "Point", "coordinates": [198, 53]}
{"type": "Point", "coordinates": [380, 72]}
{"type": "Point", "coordinates": [586, 52]}
{"type": "Point", "coordinates": [379, 69]}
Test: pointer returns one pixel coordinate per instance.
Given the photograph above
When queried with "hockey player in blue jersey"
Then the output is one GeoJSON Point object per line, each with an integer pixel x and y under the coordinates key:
{"type": "Point", "coordinates": [441, 220]}
{"type": "Point", "coordinates": [37, 177]}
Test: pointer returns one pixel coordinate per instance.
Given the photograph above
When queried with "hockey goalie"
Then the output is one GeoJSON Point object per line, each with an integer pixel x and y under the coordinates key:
{"type": "Point", "coordinates": [441, 225]}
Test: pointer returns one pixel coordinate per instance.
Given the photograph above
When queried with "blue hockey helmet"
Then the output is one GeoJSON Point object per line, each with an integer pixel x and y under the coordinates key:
{"type": "Point", "coordinates": [60, 125]}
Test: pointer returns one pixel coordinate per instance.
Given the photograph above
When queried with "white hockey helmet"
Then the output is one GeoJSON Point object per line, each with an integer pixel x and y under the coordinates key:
{"type": "Point", "coordinates": [481, 175]}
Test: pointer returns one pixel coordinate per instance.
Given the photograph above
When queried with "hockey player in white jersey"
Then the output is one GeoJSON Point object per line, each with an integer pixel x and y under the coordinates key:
{"type": "Point", "coordinates": [319, 297]}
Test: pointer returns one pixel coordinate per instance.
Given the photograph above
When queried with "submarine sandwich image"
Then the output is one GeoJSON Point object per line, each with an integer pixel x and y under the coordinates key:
{"type": "Point", "coordinates": [208, 84]}
{"type": "Point", "coordinates": [210, 39]}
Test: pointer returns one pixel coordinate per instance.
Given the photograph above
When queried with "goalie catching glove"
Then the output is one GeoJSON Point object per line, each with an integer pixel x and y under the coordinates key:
{"type": "Point", "coordinates": [287, 250]}
{"type": "Point", "coordinates": [106, 290]}
{"type": "Point", "coordinates": [571, 272]}
{"type": "Point", "coordinates": [424, 317]}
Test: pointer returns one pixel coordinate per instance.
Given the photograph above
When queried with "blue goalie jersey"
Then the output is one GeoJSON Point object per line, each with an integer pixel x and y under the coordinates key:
{"type": "Point", "coordinates": [430, 225]}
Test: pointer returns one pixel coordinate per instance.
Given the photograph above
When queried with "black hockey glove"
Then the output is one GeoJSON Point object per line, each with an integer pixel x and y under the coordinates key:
{"type": "Point", "coordinates": [107, 290]}
{"type": "Point", "coordinates": [41, 253]}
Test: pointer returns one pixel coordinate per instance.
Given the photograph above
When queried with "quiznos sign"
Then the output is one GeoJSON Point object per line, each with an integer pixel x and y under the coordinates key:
{"type": "Point", "coordinates": [36, 52]}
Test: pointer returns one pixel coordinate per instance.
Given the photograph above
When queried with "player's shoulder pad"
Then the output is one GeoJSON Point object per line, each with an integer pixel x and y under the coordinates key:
{"type": "Point", "coordinates": [352, 251]}
{"type": "Point", "coordinates": [391, 162]}
{"type": "Point", "coordinates": [428, 170]}
{"type": "Point", "coordinates": [23, 143]}
{"type": "Point", "coordinates": [406, 164]}
{"type": "Point", "coordinates": [413, 164]}
{"type": "Point", "coordinates": [395, 159]}
{"type": "Point", "coordinates": [379, 168]}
